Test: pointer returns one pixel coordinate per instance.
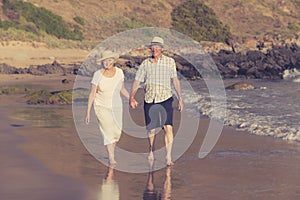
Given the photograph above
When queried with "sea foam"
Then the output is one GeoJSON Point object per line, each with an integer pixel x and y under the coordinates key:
{"type": "Point", "coordinates": [272, 110]}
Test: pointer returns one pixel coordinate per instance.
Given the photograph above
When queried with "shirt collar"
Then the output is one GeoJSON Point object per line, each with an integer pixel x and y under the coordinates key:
{"type": "Point", "coordinates": [158, 58]}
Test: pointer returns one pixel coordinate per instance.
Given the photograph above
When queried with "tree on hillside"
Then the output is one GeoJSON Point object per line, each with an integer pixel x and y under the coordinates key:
{"type": "Point", "coordinates": [198, 21]}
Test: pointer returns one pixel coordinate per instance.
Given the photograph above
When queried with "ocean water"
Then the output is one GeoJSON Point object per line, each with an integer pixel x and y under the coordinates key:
{"type": "Point", "coordinates": [271, 109]}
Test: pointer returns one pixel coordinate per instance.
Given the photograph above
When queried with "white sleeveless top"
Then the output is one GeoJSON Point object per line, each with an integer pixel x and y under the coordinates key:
{"type": "Point", "coordinates": [108, 92]}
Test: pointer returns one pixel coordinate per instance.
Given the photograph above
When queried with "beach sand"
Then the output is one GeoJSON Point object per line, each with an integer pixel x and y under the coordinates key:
{"type": "Point", "coordinates": [24, 54]}
{"type": "Point", "coordinates": [241, 166]}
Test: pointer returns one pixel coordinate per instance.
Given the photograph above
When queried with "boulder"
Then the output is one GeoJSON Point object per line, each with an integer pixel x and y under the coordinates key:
{"type": "Point", "coordinates": [65, 81]}
{"type": "Point", "coordinates": [241, 86]}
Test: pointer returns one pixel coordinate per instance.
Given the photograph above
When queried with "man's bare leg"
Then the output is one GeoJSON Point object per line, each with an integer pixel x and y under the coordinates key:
{"type": "Point", "coordinates": [169, 143]}
{"type": "Point", "coordinates": [151, 136]}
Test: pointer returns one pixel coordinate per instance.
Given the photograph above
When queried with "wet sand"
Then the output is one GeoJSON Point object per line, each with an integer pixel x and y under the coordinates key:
{"type": "Point", "coordinates": [22, 175]}
{"type": "Point", "coordinates": [241, 166]}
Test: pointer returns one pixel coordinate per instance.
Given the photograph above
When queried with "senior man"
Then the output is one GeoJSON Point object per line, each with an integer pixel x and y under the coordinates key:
{"type": "Point", "coordinates": [158, 71]}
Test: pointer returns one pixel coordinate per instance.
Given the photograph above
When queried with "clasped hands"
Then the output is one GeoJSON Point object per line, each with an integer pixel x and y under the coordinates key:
{"type": "Point", "coordinates": [132, 102]}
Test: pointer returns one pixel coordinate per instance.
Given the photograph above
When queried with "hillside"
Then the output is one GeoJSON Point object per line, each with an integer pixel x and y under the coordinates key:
{"type": "Point", "coordinates": [249, 20]}
{"type": "Point", "coordinates": [106, 17]}
{"type": "Point", "coordinates": [246, 18]}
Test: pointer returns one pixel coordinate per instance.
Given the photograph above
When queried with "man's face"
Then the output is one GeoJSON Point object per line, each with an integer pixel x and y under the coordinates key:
{"type": "Point", "coordinates": [156, 51]}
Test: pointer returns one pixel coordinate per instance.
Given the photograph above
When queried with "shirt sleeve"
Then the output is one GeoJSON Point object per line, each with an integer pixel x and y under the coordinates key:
{"type": "Point", "coordinates": [140, 74]}
{"type": "Point", "coordinates": [96, 77]}
{"type": "Point", "coordinates": [173, 69]}
{"type": "Point", "coordinates": [122, 74]}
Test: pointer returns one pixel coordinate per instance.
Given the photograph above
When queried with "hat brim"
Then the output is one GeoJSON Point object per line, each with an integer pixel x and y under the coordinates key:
{"type": "Point", "coordinates": [107, 57]}
{"type": "Point", "coordinates": [156, 44]}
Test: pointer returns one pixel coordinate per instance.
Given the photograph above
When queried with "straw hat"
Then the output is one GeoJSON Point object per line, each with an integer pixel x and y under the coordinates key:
{"type": "Point", "coordinates": [107, 54]}
{"type": "Point", "coordinates": [157, 41]}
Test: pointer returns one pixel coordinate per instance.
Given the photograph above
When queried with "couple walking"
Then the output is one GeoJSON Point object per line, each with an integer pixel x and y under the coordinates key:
{"type": "Point", "coordinates": [157, 71]}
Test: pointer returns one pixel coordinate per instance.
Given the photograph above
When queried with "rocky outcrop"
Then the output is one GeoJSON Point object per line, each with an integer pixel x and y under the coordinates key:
{"type": "Point", "coordinates": [54, 68]}
{"type": "Point", "coordinates": [7, 69]}
{"type": "Point", "coordinates": [269, 64]}
{"type": "Point", "coordinates": [256, 64]}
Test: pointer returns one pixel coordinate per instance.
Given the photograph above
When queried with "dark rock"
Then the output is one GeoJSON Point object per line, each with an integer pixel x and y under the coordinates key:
{"type": "Point", "coordinates": [129, 64]}
{"type": "Point", "coordinates": [6, 69]}
{"type": "Point", "coordinates": [255, 55]}
{"type": "Point", "coordinates": [34, 71]}
{"type": "Point", "coordinates": [65, 81]}
{"type": "Point", "coordinates": [256, 64]}
{"type": "Point", "coordinates": [54, 68]}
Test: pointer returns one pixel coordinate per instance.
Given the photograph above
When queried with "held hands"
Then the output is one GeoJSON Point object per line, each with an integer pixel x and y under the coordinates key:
{"type": "Point", "coordinates": [133, 103]}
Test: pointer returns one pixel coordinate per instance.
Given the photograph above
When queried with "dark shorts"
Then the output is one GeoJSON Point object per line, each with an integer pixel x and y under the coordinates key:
{"type": "Point", "coordinates": [158, 114]}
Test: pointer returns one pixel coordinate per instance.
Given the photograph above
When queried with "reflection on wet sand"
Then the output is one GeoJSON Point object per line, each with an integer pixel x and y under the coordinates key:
{"type": "Point", "coordinates": [151, 193]}
{"type": "Point", "coordinates": [109, 188]}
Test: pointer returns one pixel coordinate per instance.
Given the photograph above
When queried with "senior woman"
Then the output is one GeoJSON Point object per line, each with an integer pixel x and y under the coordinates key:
{"type": "Point", "coordinates": [106, 86]}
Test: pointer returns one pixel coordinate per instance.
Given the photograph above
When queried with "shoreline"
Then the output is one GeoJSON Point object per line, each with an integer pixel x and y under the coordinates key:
{"type": "Point", "coordinates": [241, 165]}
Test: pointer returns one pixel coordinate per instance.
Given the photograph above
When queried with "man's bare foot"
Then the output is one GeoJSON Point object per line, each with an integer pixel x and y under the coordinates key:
{"type": "Point", "coordinates": [170, 163]}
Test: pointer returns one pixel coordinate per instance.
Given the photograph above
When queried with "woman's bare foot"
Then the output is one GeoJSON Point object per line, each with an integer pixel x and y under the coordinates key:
{"type": "Point", "coordinates": [151, 156]}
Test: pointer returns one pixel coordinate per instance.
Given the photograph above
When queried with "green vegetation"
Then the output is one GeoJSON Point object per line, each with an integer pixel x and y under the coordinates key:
{"type": "Point", "coordinates": [79, 20]}
{"type": "Point", "coordinates": [297, 2]}
{"type": "Point", "coordinates": [226, 6]}
{"type": "Point", "coordinates": [34, 97]}
{"type": "Point", "coordinates": [123, 24]}
{"type": "Point", "coordinates": [198, 21]}
{"type": "Point", "coordinates": [28, 17]}
{"type": "Point", "coordinates": [294, 27]}
{"type": "Point", "coordinates": [47, 97]}
{"type": "Point", "coordinates": [8, 24]}
{"type": "Point", "coordinates": [133, 23]}
{"type": "Point", "coordinates": [51, 41]}
{"type": "Point", "coordinates": [13, 90]}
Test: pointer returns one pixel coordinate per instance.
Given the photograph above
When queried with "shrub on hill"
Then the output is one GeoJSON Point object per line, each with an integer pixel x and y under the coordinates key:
{"type": "Point", "coordinates": [8, 24]}
{"type": "Point", "coordinates": [41, 18]}
{"type": "Point", "coordinates": [79, 20]}
{"type": "Point", "coordinates": [198, 21]}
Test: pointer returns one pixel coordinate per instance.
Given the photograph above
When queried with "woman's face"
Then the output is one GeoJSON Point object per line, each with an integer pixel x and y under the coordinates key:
{"type": "Point", "coordinates": [107, 63]}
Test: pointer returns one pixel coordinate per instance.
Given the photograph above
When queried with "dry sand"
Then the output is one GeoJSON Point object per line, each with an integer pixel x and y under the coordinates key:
{"type": "Point", "coordinates": [241, 166]}
{"type": "Point", "coordinates": [24, 54]}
